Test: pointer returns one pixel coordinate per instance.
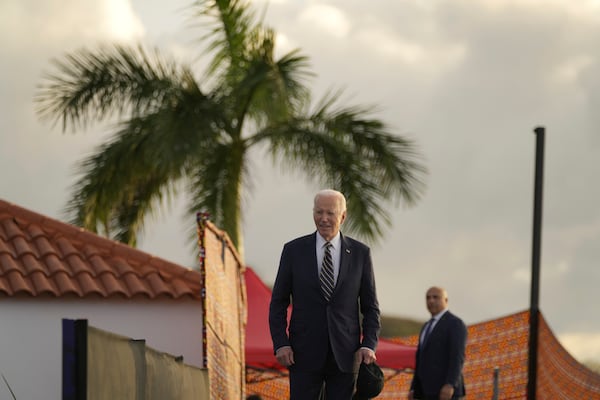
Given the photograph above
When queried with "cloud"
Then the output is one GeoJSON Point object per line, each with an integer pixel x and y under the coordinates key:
{"type": "Point", "coordinates": [121, 23]}
{"type": "Point", "coordinates": [582, 346]}
{"type": "Point", "coordinates": [107, 20]}
{"type": "Point", "coordinates": [327, 19]}
{"type": "Point", "coordinates": [416, 53]}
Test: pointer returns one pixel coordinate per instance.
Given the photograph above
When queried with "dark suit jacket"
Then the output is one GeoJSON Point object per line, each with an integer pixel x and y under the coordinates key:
{"type": "Point", "coordinates": [440, 360]}
{"type": "Point", "coordinates": [314, 322]}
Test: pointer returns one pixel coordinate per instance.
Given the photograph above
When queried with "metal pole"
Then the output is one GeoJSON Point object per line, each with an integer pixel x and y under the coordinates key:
{"type": "Point", "coordinates": [496, 391]}
{"type": "Point", "coordinates": [535, 264]}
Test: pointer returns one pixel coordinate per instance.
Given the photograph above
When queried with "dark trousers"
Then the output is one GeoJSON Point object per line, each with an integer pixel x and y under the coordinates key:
{"type": "Point", "coordinates": [330, 383]}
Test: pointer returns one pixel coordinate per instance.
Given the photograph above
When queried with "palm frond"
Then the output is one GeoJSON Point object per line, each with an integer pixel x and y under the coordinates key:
{"type": "Point", "coordinates": [275, 90]}
{"type": "Point", "coordinates": [128, 176]}
{"type": "Point", "coordinates": [341, 147]}
{"type": "Point", "coordinates": [94, 85]}
{"type": "Point", "coordinates": [117, 185]}
{"type": "Point", "coordinates": [229, 23]}
{"type": "Point", "coordinates": [215, 186]}
{"type": "Point", "coordinates": [266, 90]}
{"type": "Point", "coordinates": [293, 73]}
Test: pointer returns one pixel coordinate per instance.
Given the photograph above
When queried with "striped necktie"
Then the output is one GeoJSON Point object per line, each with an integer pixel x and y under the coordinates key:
{"type": "Point", "coordinates": [326, 276]}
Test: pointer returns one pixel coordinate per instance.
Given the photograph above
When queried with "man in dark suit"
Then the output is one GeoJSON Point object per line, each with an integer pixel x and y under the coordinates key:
{"type": "Point", "coordinates": [329, 280]}
{"type": "Point", "coordinates": [440, 354]}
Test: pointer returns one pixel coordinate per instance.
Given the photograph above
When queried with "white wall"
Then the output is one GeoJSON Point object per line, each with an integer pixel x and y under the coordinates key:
{"type": "Point", "coordinates": [31, 336]}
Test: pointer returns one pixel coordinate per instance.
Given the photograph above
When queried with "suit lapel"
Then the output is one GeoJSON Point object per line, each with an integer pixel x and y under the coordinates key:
{"type": "Point", "coordinates": [438, 327]}
{"type": "Point", "coordinates": [312, 261]}
{"type": "Point", "coordinates": [345, 257]}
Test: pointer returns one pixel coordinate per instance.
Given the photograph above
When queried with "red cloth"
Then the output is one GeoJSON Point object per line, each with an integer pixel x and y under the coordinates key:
{"type": "Point", "coordinates": [259, 348]}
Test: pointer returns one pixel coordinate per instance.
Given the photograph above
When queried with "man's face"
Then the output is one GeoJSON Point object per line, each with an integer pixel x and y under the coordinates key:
{"type": "Point", "coordinates": [436, 300]}
{"type": "Point", "coordinates": [328, 216]}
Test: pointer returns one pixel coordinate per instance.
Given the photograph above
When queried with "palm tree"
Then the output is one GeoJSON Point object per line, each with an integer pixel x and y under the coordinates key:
{"type": "Point", "coordinates": [179, 129]}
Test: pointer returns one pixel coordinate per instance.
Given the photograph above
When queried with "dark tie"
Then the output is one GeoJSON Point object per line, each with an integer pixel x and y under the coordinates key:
{"type": "Point", "coordinates": [428, 330]}
{"type": "Point", "coordinates": [326, 277]}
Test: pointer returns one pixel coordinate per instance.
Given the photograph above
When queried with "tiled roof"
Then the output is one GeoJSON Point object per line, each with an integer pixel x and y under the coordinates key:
{"type": "Point", "coordinates": [40, 256]}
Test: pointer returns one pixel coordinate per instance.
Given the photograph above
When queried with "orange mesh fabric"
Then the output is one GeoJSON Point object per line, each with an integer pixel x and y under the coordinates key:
{"type": "Point", "coordinates": [501, 343]}
{"type": "Point", "coordinates": [560, 376]}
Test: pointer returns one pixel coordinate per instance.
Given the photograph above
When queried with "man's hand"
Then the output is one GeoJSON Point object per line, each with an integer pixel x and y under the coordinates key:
{"type": "Point", "coordinates": [446, 392]}
{"type": "Point", "coordinates": [366, 355]}
{"type": "Point", "coordinates": [285, 356]}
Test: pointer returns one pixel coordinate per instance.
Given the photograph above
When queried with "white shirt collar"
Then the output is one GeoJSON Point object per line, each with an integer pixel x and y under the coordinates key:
{"type": "Point", "coordinates": [437, 316]}
{"type": "Point", "coordinates": [335, 241]}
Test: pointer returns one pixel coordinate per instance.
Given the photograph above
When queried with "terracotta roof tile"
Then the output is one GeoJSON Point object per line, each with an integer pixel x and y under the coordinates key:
{"type": "Point", "coordinates": [99, 265]}
{"type": "Point", "coordinates": [5, 248]}
{"type": "Point", "coordinates": [40, 256]}
{"type": "Point", "coordinates": [156, 281]}
{"type": "Point", "coordinates": [136, 286]}
{"type": "Point", "coordinates": [181, 289]}
{"type": "Point", "coordinates": [88, 284]}
{"type": "Point", "coordinates": [16, 282]}
{"type": "Point", "coordinates": [66, 284]}
{"type": "Point", "coordinates": [111, 284]}
{"type": "Point", "coordinates": [31, 264]}
{"type": "Point", "coordinates": [4, 286]}
{"type": "Point", "coordinates": [22, 247]}
{"type": "Point", "coordinates": [7, 263]}
{"type": "Point", "coordinates": [123, 268]}
{"type": "Point", "coordinates": [76, 266]}
{"type": "Point", "coordinates": [10, 228]}
{"type": "Point", "coordinates": [42, 284]}
{"type": "Point", "coordinates": [54, 265]}
{"type": "Point", "coordinates": [65, 247]}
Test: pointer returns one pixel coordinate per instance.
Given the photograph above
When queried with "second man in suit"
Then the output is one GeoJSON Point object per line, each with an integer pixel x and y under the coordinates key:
{"type": "Point", "coordinates": [324, 343]}
{"type": "Point", "coordinates": [440, 353]}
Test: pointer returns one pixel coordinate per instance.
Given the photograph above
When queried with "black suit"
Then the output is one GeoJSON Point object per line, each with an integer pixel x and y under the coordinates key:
{"type": "Point", "coordinates": [440, 359]}
{"type": "Point", "coordinates": [321, 332]}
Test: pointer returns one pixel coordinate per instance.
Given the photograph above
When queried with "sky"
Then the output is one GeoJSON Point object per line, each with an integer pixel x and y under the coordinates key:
{"type": "Point", "coordinates": [467, 80]}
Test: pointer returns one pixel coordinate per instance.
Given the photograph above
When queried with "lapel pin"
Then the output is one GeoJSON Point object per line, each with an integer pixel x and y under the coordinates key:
{"type": "Point", "coordinates": [348, 251]}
